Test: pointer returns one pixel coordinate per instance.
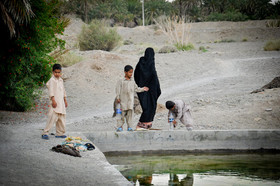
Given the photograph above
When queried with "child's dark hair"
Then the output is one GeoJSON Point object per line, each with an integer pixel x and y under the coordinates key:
{"type": "Point", "coordinates": [56, 67]}
{"type": "Point", "coordinates": [169, 104]}
{"type": "Point", "coordinates": [127, 68]}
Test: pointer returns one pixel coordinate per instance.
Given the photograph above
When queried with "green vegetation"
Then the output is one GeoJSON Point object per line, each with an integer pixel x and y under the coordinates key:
{"type": "Point", "coordinates": [244, 40]}
{"type": "Point", "coordinates": [98, 36]}
{"type": "Point", "coordinates": [184, 47]}
{"type": "Point", "coordinates": [272, 45]}
{"type": "Point", "coordinates": [203, 49]}
{"type": "Point", "coordinates": [225, 41]}
{"type": "Point", "coordinates": [25, 60]}
{"type": "Point", "coordinates": [129, 12]}
{"type": "Point", "coordinates": [228, 16]}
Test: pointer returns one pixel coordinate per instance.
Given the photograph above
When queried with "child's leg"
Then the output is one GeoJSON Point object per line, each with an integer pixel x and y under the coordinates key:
{"type": "Point", "coordinates": [52, 118]}
{"type": "Point", "coordinates": [129, 118]}
{"type": "Point", "coordinates": [60, 125]}
{"type": "Point", "coordinates": [187, 119]}
{"type": "Point", "coordinates": [120, 121]}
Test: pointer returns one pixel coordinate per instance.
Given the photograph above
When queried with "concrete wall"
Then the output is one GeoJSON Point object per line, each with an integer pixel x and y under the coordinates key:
{"type": "Point", "coordinates": [187, 141]}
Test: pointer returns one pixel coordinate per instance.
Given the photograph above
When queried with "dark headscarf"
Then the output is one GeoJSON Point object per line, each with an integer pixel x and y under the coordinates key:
{"type": "Point", "coordinates": [145, 75]}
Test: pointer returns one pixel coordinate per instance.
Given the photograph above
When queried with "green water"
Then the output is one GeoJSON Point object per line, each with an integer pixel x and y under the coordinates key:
{"type": "Point", "coordinates": [200, 170]}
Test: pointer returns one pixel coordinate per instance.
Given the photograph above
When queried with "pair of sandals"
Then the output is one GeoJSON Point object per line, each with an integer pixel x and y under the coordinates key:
{"type": "Point", "coordinates": [46, 137]}
{"type": "Point", "coordinates": [120, 129]}
{"type": "Point", "coordinates": [144, 125]}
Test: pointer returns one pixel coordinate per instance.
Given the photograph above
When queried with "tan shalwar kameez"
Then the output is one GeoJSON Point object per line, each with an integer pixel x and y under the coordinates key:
{"type": "Point", "coordinates": [182, 113]}
{"type": "Point", "coordinates": [56, 115]}
{"type": "Point", "coordinates": [125, 90]}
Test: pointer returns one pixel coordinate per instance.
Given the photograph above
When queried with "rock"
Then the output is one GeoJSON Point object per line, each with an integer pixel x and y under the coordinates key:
{"type": "Point", "coordinates": [257, 119]}
{"type": "Point", "coordinates": [268, 109]}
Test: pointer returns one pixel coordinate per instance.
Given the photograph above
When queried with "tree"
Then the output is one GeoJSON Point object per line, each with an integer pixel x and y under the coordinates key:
{"type": "Point", "coordinates": [25, 60]}
{"type": "Point", "coordinates": [15, 12]}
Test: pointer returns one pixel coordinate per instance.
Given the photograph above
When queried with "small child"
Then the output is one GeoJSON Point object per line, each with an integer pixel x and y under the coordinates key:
{"type": "Point", "coordinates": [180, 111]}
{"type": "Point", "coordinates": [57, 111]}
{"type": "Point", "coordinates": [125, 90]}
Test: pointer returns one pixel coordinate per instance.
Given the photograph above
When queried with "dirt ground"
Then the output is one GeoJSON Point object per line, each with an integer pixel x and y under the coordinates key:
{"type": "Point", "coordinates": [216, 83]}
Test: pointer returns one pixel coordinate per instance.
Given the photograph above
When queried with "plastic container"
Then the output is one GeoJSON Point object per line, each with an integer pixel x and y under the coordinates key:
{"type": "Point", "coordinates": [170, 120]}
{"type": "Point", "coordinates": [118, 111]}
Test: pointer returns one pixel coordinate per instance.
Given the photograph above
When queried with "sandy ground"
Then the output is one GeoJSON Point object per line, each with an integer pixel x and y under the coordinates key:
{"type": "Point", "coordinates": [216, 83]}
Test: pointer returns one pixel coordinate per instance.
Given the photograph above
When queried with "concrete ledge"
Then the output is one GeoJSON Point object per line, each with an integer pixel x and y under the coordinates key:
{"type": "Point", "coordinates": [186, 141]}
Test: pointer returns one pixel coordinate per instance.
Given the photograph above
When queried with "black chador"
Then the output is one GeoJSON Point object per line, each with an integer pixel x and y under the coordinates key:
{"type": "Point", "coordinates": [145, 75]}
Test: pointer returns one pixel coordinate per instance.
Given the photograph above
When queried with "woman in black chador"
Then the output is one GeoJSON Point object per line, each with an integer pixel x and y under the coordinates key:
{"type": "Point", "coordinates": [145, 75]}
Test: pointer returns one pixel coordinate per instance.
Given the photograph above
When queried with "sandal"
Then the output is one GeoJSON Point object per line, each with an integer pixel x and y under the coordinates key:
{"type": "Point", "coordinates": [129, 129]}
{"type": "Point", "coordinates": [119, 129]}
{"type": "Point", "coordinates": [63, 136]}
{"type": "Point", "coordinates": [44, 136]}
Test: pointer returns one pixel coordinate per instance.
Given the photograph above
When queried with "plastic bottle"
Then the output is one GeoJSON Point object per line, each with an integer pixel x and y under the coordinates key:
{"type": "Point", "coordinates": [170, 120]}
{"type": "Point", "coordinates": [118, 111]}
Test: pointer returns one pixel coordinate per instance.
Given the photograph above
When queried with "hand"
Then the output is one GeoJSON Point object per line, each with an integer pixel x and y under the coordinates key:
{"type": "Point", "coordinates": [54, 104]}
{"type": "Point", "coordinates": [174, 122]}
{"type": "Point", "coordinates": [118, 100]}
{"type": "Point", "coordinates": [66, 104]}
{"type": "Point", "coordinates": [146, 88]}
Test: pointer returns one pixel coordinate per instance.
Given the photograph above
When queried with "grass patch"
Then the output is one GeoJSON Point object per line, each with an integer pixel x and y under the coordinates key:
{"type": "Point", "coordinates": [272, 45]}
{"type": "Point", "coordinates": [69, 59]}
{"type": "Point", "coordinates": [187, 47]}
{"type": "Point", "coordinates": [244, 40]}
{"type": "Point", "coordinates": [203, 49]}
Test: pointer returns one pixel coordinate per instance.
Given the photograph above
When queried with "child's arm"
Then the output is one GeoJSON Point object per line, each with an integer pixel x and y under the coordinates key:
{"type": "Point", "coordinates": [180, 111]}
{"type": "Point", "coordinates": [138, 89]}
{"type": "Point", "coordinates": [50, 85]}
{"type": "Point", "coordinates": [65, 101]}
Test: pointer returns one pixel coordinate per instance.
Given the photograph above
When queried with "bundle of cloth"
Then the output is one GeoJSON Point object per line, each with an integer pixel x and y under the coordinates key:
{"type": "Point", "coordinates": [73, 146]}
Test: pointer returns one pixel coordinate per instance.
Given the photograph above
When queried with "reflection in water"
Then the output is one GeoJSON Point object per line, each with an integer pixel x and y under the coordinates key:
{"type": "Point", "coordinates": [194, 170]}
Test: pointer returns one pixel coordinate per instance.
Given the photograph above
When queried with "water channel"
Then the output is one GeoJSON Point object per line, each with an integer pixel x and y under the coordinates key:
{"type": "Point", "coordinates": [200, 170]}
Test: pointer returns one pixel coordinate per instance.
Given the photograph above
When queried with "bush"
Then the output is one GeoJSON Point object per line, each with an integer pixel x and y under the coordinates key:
{"type": "Point", "coordinates": [272, 45]}
{"type": "Point", "coordinates": [184, 47]}
{"type": "Point", "coordinates": [228, 16]}
{"type": "Point", "coordinates": [203, 49]}
{"type": "Point", "coordinates": [98, 36]}
{"type": "Point", "coordinates": [25, 60]}
{"type": "Point", "coordinates": [168, 49]}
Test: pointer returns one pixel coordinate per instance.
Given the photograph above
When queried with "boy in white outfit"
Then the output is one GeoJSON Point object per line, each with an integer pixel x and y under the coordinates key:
{"type": "Point", "coordinates": [125, 90]}
{"type": "Point", "coordinates": [180, 111]}
{"type": "Point", "coordinates": [57, 110]}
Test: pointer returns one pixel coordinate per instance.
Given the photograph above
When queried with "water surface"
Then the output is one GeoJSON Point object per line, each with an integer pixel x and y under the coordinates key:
{"type": "Point", "coordinates": [200, 170]}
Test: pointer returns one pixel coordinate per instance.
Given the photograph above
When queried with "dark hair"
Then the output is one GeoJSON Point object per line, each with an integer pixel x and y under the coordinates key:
{"type": "Point", "coordinates": [127, 68]}
{"type": "Point", "coordinates": [56, 67]}
{"type": "Point", "coordinates": [169, 104]}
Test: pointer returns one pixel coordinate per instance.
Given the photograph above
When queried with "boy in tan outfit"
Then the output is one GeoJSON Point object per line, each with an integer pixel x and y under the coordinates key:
{"type": "Point", "coordinates": [181, 111]}
{"type": "Point", "coordinates": [125, 90]}
{"type": "Point", "coordinates": [57, 110]}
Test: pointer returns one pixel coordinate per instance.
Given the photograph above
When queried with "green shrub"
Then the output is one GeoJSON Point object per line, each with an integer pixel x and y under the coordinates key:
{"type": "Point", "coordinates": [25, 60]}
{"type": "Point", "coordinates": [98, 36]}
{"type": "Point", "coordinates": [69, 59]}
{"type": "Point", "coordinates": [203, 49]}
{"type": "Point", "coordinates": [187, 47]}
{"type": "Point", "coordinates": [272, 45]}
{"type": "Point", "coordinates": [228, 16]}
{"type": "Point", "coordinates": [168, 49]}
{"type": "Point", "coordinates": [244, 39]}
